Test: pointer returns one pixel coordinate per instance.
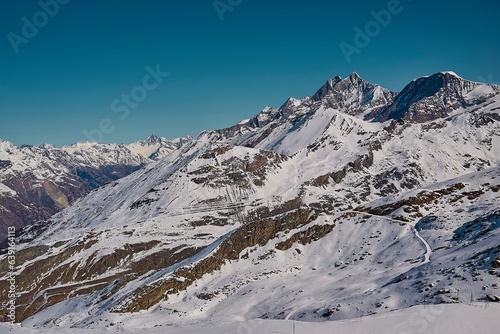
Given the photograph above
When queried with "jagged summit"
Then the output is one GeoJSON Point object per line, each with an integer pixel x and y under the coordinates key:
{"type": "Point", "coordinates": [354, 76]}
{"type": "Point", "coordinates": [331, 87]}
{"type": "Point", "coordinates": [152, 139]}
{"type": "Point", "coordinates": [442, 92]}
{"type": "Point", "coordinates": [352, 95]}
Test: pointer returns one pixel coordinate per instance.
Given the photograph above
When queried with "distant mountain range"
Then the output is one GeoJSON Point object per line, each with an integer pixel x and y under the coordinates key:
{"type": "Point", "coordinates": [353, 201]}
{"type": "Point", "coordinates": [38, 181]}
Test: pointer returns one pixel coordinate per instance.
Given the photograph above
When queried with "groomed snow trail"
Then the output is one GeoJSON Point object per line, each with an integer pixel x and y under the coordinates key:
{"type": "Point", "coordinates": [428, 249]}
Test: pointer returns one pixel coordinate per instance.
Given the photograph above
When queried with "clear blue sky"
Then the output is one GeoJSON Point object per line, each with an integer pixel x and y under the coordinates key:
{"type": "Point", "coordinates": [66, 77]}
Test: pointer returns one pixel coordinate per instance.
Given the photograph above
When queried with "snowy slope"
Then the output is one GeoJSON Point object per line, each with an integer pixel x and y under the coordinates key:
{"type": "Point", "coordinates": [241, 223]}
{"type": "Point", "coordinates": [454, 318]}
{"type": "Point", "coordinates": [38, 181]}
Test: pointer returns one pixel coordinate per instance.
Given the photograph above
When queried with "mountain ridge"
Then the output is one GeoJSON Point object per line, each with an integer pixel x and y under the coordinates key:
{"type": "Point", "coordinates": [38, 181]}
{"type": "Point", "coordinates": [376, 215]}
{"type": "Point", "coordinates": [445, 91]}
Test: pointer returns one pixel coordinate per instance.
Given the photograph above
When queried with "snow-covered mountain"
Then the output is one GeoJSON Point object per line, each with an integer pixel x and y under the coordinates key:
{"type": "Point", "coordinates": [155, 147]}
{"type": "Point", "coordinates": [38, 181]}
{"type": "Point", "coordinates": [434, 97]}
{"type": "Point", "coordinates": [351, 202]}
{"type": "Point", "coordinates": [443, 318]}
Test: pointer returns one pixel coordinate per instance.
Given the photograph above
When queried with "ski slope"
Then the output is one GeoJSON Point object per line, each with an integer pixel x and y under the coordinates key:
{"type": "Point", "coordinates": [447, 318]}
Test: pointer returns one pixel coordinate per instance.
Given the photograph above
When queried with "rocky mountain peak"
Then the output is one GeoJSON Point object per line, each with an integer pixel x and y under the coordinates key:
{"type": "Point", "coordinates": [432, 97]}
{"type": "Point", "coordinates": [151, 140]}
{"type": "Point", "coordinates": [353, 95]}
{"type": "Point", "coordinates": [327, 88]}
{"type": "Point", "coordinates": [354, 77]}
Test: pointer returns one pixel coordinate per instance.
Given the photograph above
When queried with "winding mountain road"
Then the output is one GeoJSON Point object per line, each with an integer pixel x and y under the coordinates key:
{"type": "Point", "coordinates": [428, 249]}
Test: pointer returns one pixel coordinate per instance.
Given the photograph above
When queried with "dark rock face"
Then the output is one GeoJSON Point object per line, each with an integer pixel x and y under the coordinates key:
{"type": "Point", "coordinates": [429, 98]}
{"type": "Point", "coordinates": [236, 171]}
{"type": "Point", "coordinates": [363, 161]}
{"type": "Point", "coordinates": [35, 203]}
{"type": "Point", "coordinates": [258, 232]}
{"type": "Point", "coordinates": [353, 95]}
{"type": "Point", "coordinates": [4, 164]}
{"type": "Point", "coordinates": [326, 88]}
